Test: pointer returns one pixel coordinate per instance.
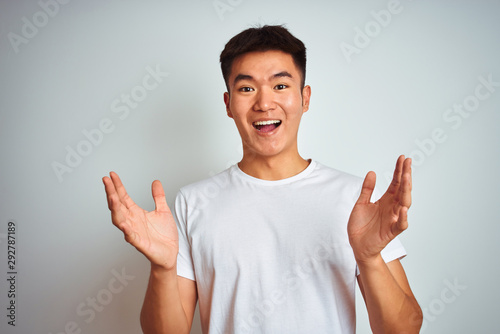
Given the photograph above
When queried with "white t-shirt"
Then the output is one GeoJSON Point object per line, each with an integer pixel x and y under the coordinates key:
{"type": "Point", "coordinates": [272, 256]}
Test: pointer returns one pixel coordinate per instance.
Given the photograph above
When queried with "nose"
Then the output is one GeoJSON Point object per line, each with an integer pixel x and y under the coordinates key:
{"type": "Point", "coordinates": [264, 100]}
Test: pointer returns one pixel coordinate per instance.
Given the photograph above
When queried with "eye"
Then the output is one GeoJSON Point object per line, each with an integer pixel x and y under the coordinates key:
{"type": "Point", "coordinates": [245, 89]}
{"type": "Point", "coordinates": [280, 86]}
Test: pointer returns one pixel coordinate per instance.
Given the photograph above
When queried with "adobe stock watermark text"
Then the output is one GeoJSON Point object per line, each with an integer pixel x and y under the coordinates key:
{"type": "Point", "coordinates": [32, 25]}
{"type": "Point", "coordinates": [121, 108]}
{"type": "Point", "coordinates": [88, 308]}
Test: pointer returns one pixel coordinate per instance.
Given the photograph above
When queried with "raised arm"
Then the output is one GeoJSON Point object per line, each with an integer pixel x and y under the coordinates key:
{"type": "Point", "coordinates": [170, 300]}
{"type": "Point", "coordinates": [391, 306]}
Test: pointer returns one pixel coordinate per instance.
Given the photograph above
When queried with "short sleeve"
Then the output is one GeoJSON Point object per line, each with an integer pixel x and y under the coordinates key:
{"type": "Point", "coordinates": [393, 251]}
{"type": "Point", "coordinates": [185, 267]}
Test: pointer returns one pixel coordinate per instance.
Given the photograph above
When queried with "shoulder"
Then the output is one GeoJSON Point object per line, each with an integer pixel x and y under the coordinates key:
{"type": "Point", "coordinates": [331, 174]}
{"type": "Point", "coordinates": [208, 187]}
{"type": "Point", "coordinates": [350, 183]}
{"type": "Point", "coordinates": [336, 182]}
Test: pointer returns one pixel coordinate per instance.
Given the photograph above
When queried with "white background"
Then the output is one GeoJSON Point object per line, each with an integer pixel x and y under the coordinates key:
{"type": "Point", "coordinates": [367, 108]}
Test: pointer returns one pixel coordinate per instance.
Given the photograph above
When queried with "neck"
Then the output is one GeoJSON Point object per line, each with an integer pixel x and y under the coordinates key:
{"type": "Point", "coordinates": [272, 168]}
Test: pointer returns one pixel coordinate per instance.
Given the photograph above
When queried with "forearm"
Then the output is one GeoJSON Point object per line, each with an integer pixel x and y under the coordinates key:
{"type": "Point", "coordinates": [390, 308]}
{"type": "Point", "coordinates": [162, 311]}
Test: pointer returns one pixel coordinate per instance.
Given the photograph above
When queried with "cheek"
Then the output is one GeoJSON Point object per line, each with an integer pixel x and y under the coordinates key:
{"type": "Point", "coordinates": [238, 107]}
{"type": "Point", "coordinates": [238, 114]}
{"type": "Point", "coordinates": [293, 107]}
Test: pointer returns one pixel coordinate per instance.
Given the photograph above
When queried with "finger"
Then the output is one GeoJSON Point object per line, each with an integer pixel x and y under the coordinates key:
{"type": "Point", "coordinates": [120, 189]}
{"type": "Point", "coordinates": [111, 194]}
{"type": "Point", "coordinates": [159, 197]}
{"type": "Point", "coordinates": [410, 171]}
{"type": "Point", "coordinates": [367, 188]}
{"type": "Point", "coordinates": [406, 185]}
{"type": "Point", "coordinates": [396, 178]}
{"type": "Point", "coordinates": [114, 204]}
{"type": "Point", "coordinates": [402, 222]}
{"type": "Point", "coordinates": [107, 188]}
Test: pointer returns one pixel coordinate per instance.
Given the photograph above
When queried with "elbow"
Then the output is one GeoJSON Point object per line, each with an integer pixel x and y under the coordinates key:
{"type": "Point", "coordinates": [408, 322]}
{"type": "Point", "coordinates": [144, 323]}
{"type": "Point", "coordinates": [413, 322]}
{"type": "Point", "coordinates": [416, 319]}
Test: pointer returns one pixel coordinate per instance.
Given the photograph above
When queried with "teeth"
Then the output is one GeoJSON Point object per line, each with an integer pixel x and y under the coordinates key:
{"type": "Point", "coordinates": [267, 122]}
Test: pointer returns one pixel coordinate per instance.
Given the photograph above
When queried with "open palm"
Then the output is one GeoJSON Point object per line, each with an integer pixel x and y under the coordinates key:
{"type": "Point", "coordinates": [372, 226]}
{"type": "Point", "coordinates": [153, 233]}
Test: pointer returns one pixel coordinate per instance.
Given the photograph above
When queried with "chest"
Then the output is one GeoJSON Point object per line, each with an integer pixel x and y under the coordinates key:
{"type": "Point", "coordinates": [271, 234]}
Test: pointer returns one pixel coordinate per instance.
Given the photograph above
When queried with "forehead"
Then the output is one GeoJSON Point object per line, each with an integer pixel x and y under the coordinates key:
{"type": "Point", "coordinates": [264, 63]}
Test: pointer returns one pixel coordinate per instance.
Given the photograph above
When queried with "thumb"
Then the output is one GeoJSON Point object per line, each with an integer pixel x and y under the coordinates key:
{"type": "Point", "coordinates": [367, 188]}
{"type": "Point", "coordinates": [159, 196]}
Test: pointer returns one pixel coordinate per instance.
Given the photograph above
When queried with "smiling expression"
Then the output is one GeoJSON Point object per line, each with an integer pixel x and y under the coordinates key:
{"type": "Point", "coordinates": [266, 102]}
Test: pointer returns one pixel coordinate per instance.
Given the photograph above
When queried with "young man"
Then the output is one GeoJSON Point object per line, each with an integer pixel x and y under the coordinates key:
{"type": "Point", "coordinates": [276, 243]}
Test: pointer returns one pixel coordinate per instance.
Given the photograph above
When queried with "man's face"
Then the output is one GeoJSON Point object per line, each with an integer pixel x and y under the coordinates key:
{"type": "Point", "coordinates": [266, 102]}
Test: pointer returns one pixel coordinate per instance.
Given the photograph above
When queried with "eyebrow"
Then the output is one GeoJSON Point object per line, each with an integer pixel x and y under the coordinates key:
{"type": "Point", "coordinates": [281, 74]}
{"type": "Point", "coordinates": [240, 77]}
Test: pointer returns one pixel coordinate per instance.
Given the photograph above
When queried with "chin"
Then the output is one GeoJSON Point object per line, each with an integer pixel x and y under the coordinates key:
{"type": "Point", "coordinates": [266, 153]}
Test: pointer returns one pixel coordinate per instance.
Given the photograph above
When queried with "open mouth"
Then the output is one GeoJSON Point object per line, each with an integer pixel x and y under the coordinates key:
{"type": "Point", "coordinates": [266, 126]}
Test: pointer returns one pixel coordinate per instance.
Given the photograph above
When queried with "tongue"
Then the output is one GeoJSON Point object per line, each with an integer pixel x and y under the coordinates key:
{"type": "Point", "coordinates": [267, 128]}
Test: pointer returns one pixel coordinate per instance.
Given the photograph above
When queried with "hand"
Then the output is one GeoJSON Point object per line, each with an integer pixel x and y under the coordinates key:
{"type": "Point", "coordinates": [372, 226]}
{"type": "Point", "coordinates": [153, 233]}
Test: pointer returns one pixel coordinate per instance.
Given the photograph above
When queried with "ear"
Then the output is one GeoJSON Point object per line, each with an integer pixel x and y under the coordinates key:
{"type": "Point", "coordinates": [227, 99]}
{"type": "Point", "coordinates": [306, 97]}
